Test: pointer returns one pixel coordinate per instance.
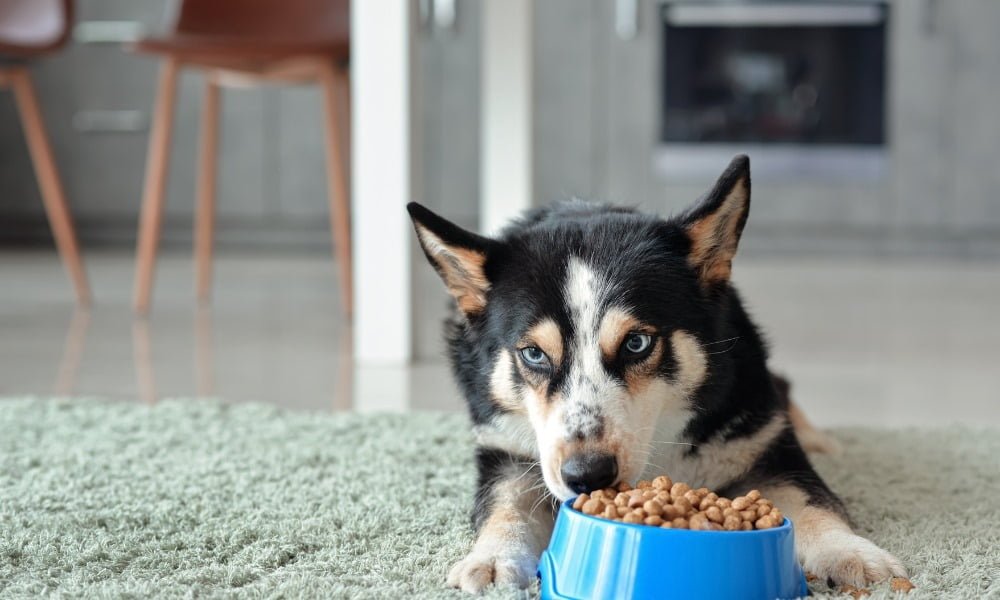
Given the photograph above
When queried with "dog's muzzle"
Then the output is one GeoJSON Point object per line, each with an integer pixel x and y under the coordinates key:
{"type": "Point", "coordinates": [588, 471]}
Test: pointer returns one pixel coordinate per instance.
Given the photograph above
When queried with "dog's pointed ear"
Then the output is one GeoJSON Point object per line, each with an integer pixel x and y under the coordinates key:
{"type": "Point", "coordinates": [459, 256]}
{"type": "Point", "coordinates": [714, 225]}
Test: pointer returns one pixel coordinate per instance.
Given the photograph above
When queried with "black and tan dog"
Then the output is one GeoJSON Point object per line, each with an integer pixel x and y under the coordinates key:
{"type": "Point", "coordinates": [596, 345]}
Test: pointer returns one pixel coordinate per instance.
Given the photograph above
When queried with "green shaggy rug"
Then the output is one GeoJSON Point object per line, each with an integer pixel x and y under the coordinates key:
{"type": "Point", "coordinates": [196, 498]}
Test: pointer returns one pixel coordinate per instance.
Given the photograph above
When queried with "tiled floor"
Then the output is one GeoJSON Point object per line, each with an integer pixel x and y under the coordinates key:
{"type": "Point", "coordinates": [865, 342]}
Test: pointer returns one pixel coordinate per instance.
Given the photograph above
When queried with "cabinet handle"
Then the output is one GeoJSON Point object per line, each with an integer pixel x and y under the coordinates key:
{"type": "Point", "coordinates": [627, 19]}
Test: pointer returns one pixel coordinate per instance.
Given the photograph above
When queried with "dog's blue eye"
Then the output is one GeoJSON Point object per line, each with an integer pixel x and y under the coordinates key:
{"type": "Point", "coordinates": [534, 356]}
{"type": "Point", "coordinates": [637, 343]}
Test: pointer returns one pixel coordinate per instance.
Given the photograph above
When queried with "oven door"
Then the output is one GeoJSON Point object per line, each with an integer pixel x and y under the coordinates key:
{"type": "Point", "coordinates": [799, 86]}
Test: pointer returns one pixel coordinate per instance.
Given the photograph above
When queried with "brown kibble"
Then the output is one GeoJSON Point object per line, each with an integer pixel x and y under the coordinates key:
{"type": "Point", "coordinates": [622, 511]}
{"type": "Point", "coordinates": [741, 503]}
{"type": "Point", "coordinates": [662, 483]}
{"type": "Point", "coordinates": [663, 497]}
{"type": "Point", "coordinates": [777, 516]}
{"type": "Point", "coordinates": [678, 490]}
{"type": "Point", "coordinates": [680, 523]}
{"type": "Point", "coordinates": [654, 520]}
{"type": "Point", "coordinates": [683, 505]}
{"type": "Point", "coordinates": [644, 485]}
{"type": "Point", "coordinates": [731, 512]}
{"type": "Point", "coordinates": [621, 500]}
{"type": "Point", "coordinates": [753, 495]}
{"type": "Point", "coordinates": [652, 507]}
{"type": "Point", "coordinates": [763, 510]}
{"type": "Point", "coordinates": [723, 502]}
{"type": "Point", "coordinates": [692, 497]}
{"type": "Point", "coordinates": [746, 526]}
{"type": "Point", "coordinates": [698, 521]}
{"type": "Point", "coordinates": [624, 486]}
{"type": "Point", "coordinates": [732, 523]}
{"type": "Point", "coordinates": [640, 513]}
{"type": "Point", "coordinates": [632, 518]}
{"type": "Point", "coordinates": [705, 503]}
{"type": "Point", "coordinates": [580, 501]}
{"type": "Point", "coordinates": [593, 506]}
{"type": "Point", "coordinates": [714, 514]}
{"type": "Point", "coordinates": [670, 512]}
{"type": "Point", "coordinates": [748, 515]}
{"type": "Point", "coordinates": [901, 584]}
{"type": "Point", "coordinates": [667, 525]}
{"type": "Point", "coordinates": [610, 512]}
{"type": "Point", "coordinates": [636, 501]}
{"type": "Point", "coordinates": [766, 522]}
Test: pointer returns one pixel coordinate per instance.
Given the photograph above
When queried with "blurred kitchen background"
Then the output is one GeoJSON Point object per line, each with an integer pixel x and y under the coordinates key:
{"type": "Point", "coordinates": [871, 253]}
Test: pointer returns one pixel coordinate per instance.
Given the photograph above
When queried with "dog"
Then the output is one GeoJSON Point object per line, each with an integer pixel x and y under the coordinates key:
{"type": "Point", "coordinates": [595, 345]}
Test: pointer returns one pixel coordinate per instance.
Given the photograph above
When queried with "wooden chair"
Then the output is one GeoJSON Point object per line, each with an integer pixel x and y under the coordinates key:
{"type": "Point", "coordinates": [236, 41]}
{"type": "Point", "coordinates": [31, 29]}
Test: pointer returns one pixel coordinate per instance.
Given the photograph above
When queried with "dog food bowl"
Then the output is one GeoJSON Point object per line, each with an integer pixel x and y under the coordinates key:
{"type": "Point", "coordinates": [593, 558]}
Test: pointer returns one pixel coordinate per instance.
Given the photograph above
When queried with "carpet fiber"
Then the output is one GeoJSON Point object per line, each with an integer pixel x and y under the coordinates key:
{"type": "Point", "coordinates": [193, 498]}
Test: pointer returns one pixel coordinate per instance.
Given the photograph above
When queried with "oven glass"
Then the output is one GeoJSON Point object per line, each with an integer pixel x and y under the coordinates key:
{"type": "Point", "coordinates": [766, 83]}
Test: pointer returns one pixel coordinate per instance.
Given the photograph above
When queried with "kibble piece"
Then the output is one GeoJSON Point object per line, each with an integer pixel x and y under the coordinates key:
{"type": "Point", "coordinates": [698, 521]}
{"type": "Point", "coordinates": [901, 584]}
{"type": "Point", "coordinates": [746, 526]}
{"type": "Point", "coordinates": [654, 520]}
{"type": "Point", "coordinates": [632, 518]}
{"type": "Point", "coordinates": [610, 512]}
{"type": "Point", "coordinates": [753, 495]}
{"type": "Point", "coordinates": [777, 516]}
{"type": "Point", "coordinates": [636, 501]}
{"type": "Point", "coordinates": [624, 486]}
{"type": "Point", "coordinates": [680, 523]}
{"type": "Point", "coordinates": [580, 501]}
{"type": "Point", "coordinates": [593, 506]}
{"type": "Point", "coordinates": [683, 505]}
{"type": "Point", "coordinates": [732, 523]}
{"type": "Point", "coordinates": [705, 503]}
{"type": "Point", "coordinates": [667, 525]}
{"type": "Point", "coordinates": [714, 514]}
{"type": "Point", "coordinates": [652, 507]}
{"type": "Point", "coordinates": [766, 522]}
{"type": "Point", "coordinates": [748, 515]}
{"type": "Point", "coordinates": [670, 512]}
{"type": "Point", "coordinates": [644, 485]}
{"type": "Point", "coordinates": [723, 502]}
{"type": "Point", "coordinates": [622, 511]}
{"type": "Point", "coordinates": [741, 503]}
{"type": "Point", "coordinates": [763, 510]}
{"type": "Point", "coordinates": [678, 490]}
{"type": "Point", "coordinates": [662, 483]}
{"type": "Point", "coordinates": [731, 512]}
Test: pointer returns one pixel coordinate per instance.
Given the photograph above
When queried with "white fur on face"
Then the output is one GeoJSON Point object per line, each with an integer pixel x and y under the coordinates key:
{"type": "Point", "coordinates": [595, 412]}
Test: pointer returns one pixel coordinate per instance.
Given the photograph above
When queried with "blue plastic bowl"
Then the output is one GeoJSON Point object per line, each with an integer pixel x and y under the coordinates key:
{"type": "Point", "coordinates": [593, 558]}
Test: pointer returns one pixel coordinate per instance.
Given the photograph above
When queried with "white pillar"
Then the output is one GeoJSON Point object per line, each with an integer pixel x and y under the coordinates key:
{"type": "Point", "coordinates": [505, 148]}
{"type": "Point", "coordinates": [381, 100]}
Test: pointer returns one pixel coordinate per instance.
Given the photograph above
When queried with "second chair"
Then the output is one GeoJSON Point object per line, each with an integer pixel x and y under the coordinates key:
{"type": "Point", "coordinates": [295, 41]}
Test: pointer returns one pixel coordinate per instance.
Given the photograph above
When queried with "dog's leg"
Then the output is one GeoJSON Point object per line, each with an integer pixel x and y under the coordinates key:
{"type": "Point", "coordinates": [513, 517]}
{"type": "Point", "coordinates": [812, 440]}
{"type": "Point", "coordinates": [825, 544]}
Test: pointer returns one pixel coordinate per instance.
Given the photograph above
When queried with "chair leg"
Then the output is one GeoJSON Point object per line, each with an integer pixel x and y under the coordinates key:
{"type": "Point", "coordinates": [205, 209]}
{"type": "Point", "coordinates": [53, 194]}
{"type": "Point", "coordinates": [335, 82]}
{"type": "Point", "coordinates": [155, 186]}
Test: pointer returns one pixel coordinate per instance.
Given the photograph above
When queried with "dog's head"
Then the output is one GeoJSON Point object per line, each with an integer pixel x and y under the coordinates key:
{"type": "Point", "coordinates": [594, 321]}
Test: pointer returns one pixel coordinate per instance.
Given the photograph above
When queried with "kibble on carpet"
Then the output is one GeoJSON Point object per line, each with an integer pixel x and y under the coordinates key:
{"type": "Point", "coordinates": [198, 498]}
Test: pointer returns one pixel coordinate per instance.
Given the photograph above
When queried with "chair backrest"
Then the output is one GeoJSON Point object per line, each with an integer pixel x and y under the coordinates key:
{"type": "Point", "coordinates": [32, 27]}
{"type": "Point", "coordinates": [267, 19]}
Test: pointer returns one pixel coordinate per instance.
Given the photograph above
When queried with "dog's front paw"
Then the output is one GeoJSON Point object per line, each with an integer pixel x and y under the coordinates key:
{"type": "Point", "coordinates": [478, 570]}
{"type": "Point", "coordinates": [848, 559]}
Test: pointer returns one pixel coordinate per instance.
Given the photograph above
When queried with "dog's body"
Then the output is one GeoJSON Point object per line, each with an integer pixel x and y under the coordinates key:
{"type": "Point", "coordinates": [596, 345]}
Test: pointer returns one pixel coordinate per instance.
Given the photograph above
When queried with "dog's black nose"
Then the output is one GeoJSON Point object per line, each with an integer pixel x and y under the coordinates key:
{"type": "Point", "coordinates": [589, 471]}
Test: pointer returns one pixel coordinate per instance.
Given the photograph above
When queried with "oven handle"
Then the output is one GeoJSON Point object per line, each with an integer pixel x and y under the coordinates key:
{"type": "Point", "coordinates": [773, 15]}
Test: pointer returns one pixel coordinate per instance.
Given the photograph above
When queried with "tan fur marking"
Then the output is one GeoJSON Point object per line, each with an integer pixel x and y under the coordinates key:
{"type": "Point", "coordinates": [548, 338]}
{"type": "Point", "coordinates": [502, 383]}
{"type": "Point", "coordinates": [615, 325]}
{"type": "Point", "coordinates": [812, 439]}
{"type": "Point", "coordinates": [714, 237]}
{"type": "Point", "coordinates": [639, 377]}
{"type": "Point", "coordinates": [462, 270]}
